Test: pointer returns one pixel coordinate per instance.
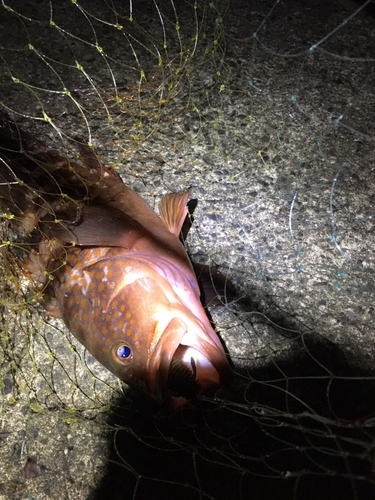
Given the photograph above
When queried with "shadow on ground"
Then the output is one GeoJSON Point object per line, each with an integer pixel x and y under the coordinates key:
{"type": "Point", "coordinates": [297, 429]}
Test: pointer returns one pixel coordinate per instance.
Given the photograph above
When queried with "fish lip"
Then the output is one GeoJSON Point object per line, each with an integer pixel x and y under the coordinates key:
{"type": "Point", "coordinates": [176, 334]}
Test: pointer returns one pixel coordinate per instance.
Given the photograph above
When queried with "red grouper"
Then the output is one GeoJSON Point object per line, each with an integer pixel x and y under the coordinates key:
{"type": "Point", "coordinates": [110, 267]}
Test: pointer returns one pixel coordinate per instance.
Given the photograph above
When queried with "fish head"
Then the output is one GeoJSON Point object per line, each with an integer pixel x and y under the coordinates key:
{"type": "Point", "coordinates": [178, 358]}
{"type": "Point", "coordinates": [173, 367]}
{"type": "Point", "coordinates": [151, 339]}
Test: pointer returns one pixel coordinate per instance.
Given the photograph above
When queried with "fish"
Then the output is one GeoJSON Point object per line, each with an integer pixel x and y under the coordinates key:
{"type": "Point", "coordinates": [110, 267]}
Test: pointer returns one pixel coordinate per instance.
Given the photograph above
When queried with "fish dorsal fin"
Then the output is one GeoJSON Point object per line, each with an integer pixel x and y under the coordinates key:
{"type": "Point", "coordinates": [173, 210]}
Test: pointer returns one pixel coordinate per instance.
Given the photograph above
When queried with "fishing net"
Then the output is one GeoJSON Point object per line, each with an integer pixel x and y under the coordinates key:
{"type": "Point", "coordinates": [266, 109]}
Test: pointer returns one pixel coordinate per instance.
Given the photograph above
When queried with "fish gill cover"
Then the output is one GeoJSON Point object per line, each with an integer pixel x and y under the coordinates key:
{"type": "Point", "coordinates": [267, 111]}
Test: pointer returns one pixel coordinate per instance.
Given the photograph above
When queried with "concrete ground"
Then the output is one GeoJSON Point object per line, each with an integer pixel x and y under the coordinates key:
{"type": "Point", "coordinates": [267, 110]}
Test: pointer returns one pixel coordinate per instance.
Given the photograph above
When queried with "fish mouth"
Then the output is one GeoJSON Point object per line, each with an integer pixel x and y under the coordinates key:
{"type": "Point", "coordinates": [182, 378]}
{"type": "Point", "coordinates": [183, 365]}
{"type": "Point", "coordinates": [190, 373]}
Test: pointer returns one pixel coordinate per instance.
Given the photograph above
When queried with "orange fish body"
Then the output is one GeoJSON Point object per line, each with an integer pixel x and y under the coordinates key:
{"type": "Point", "coordinates": [113, 270]}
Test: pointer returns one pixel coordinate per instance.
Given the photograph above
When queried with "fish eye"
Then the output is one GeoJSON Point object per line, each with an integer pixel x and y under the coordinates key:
{"type": "Point", "coordinates": [122, 352]}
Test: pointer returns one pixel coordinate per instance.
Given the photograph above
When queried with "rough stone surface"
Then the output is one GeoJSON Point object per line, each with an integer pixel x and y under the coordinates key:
{"type": "Point", "coordinates": [270, 118]}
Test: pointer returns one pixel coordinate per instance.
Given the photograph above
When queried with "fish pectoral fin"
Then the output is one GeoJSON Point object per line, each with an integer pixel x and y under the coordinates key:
{"type": "Point", "coordinates": [100, 226]}
{"type": "Point", "coordinates": [173, 210]}
{"type": "Point", "coordinates": [216, 289]}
